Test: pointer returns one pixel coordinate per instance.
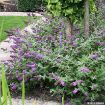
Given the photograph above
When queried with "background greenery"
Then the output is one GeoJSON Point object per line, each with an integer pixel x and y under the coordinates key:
{"type": "Point", "coordinates": [30, 5]}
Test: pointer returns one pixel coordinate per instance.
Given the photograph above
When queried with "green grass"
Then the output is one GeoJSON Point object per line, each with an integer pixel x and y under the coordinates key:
{"type": "Point", "coordinates": [11, 22]}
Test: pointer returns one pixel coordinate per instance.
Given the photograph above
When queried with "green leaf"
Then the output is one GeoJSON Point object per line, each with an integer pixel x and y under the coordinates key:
{"type": "Point", "coordinates": [23, 91]}
{"type": "Point", "coordinates": [4, 86]}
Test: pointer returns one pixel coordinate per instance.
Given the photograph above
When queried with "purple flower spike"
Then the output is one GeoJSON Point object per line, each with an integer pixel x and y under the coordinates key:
{"type": "Point", "coordinates": [73, 44]}
{"type": "Point", "coordinates": [39, 56]}
{"type": "Point", "coordinates": [62, 83]}
{"type": "Point", "coordinates": [98, 43]}
{"type": "Point", "coordinates": [103, 44]}
{"type": "Point", "coordinates": [13, 86]}
{"type": "Point", "coordinates": [28, 55]}
{"type": "Point", "coordinates": [84, 69]}
{"type": "Point", "coordinates": [76, 82]}
{"type": "Point", "coordinates": [20, 52]}
{"type": "Point", "coordinates": [86, 94]}
{"type": "Point", "coordinates": [94, 56]}
{"type": "Point", "coordinates": [68, 103]}
{"type": "Point", "coordinates": [14, 46]}
{"type": "Point", "coordinates": [60, 39]}
{"type": "Point", "coordinates": [31, 65]}
{"type": "Point", "coordinates": [20, 78]}
{"type": "Point", "coordinates": [33, 69]}
{"type": "Point", "coordinates": [75, 91]}
{"type": "Point", "coordinates": [24, 72]}
{"type": "Point", "coordinates": [6, 62]}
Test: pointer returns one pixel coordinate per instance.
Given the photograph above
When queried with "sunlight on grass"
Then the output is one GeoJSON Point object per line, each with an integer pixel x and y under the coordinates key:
{"type": "Point", "coordinates": [2, 23]}
{"type": "Point", "coordinates": [11, 22]}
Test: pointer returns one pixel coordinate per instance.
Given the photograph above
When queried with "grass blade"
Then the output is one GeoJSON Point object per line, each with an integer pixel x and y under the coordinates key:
{"type": "Point", "coordinates": [23, 91]}
{"type": "Point", "coordinates": [4, 86]}
{"type": "Point", "coordinates": [9, 95]}
{"type": "Point", "coordinates": [0, 89]}
{"type": "Point", "coordinates": [2, 23]}
{"type": "Point", "coordinates": [63, 102]}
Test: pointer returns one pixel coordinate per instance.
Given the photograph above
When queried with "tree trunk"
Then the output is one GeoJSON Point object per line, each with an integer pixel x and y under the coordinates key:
{"type": "Point", "coordinates": [69, 27]}
{"type": "Point", "coordinates": [86, 18]}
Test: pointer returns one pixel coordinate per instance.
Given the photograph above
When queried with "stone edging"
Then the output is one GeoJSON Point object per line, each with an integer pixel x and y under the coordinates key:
{"type": "Point", "coordinates": [18, 13]}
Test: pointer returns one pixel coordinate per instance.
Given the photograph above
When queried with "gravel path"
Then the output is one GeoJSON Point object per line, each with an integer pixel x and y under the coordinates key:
{"type": "Point", "coordinates": [5, 49]}
{"type": "Point", "coordinates": [33, 101]}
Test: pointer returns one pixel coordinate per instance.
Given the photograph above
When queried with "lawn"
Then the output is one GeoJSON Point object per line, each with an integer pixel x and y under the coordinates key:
{"type": "Point", "coordinates": [11, 22]}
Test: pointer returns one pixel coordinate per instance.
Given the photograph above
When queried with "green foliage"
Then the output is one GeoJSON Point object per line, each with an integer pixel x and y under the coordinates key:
{"type": "Point", "coordinates": [68, 8]}
{"type": "Point", "coordinates": [23, 91]}
{"type": "Point", "coordinates": [1, 29]}
{"type": "Point", "coordinates": [30, 5]}
{"type": "Point", "coordinates": [73, 9]}
{"type": "Point", "coordinates": [63, 98]}
{"type": "Point", "coordinates": [97, 21]}
{"type": "Point", "coordinates": [72, 67]}
{"type": "Point", "coordinates": [5, 90]}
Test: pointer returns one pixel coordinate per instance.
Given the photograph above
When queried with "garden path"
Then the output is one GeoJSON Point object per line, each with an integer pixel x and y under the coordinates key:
{"type": "Point", "coordinates": [5, 49]}
{"type": "Point", "coordinates": [33, 101]}
{"type": "Point", "coordinates": [17, 14]}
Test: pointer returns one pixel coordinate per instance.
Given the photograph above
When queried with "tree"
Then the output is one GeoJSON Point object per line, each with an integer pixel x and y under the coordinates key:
{"type": "Point", "coordinates": [73, 10]}
{"type": "Point", "coordinates": [66, 8]}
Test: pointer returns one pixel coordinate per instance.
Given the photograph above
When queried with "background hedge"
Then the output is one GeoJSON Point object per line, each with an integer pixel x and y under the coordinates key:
{"type": "Point", "coordinates": [31, 5]}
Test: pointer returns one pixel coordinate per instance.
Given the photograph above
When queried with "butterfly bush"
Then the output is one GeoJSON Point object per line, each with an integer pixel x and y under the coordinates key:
{"type": "Point", "coordinates": [74, 66]}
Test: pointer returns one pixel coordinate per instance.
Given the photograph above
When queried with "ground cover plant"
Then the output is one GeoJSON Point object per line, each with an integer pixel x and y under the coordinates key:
{"type": "Point", "coordinates": [68, 65]}
{"type": "Point", "coordinates": [11, 22]}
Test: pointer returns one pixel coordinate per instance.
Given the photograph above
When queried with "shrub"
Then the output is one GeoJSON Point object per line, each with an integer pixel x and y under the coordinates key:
{"type": "Point", "coordinates": [30, 5]}
{"type": "Point", "coordinates": [97, 20]}
{"type": "Point", "coordinates": [73, 65]}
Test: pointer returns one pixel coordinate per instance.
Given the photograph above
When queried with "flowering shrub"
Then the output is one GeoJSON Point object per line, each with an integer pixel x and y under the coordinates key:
{"type": "Point", "coordinates": [74, 66]}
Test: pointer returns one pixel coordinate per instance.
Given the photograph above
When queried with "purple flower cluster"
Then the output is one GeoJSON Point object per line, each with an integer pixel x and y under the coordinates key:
{"type": "Point", "coordinates": [101, 32]}
{"type": "Point", "coordinates": [86, 94]}
{"type": "Point", "coordinates": [77, 82]}
{"type": "Point", "coordinates": [32, 65]}
{"type": "Point", "coordinates": [68, 103]}
{"type": "Point", "coordinates": [100, 44]}
{"type": "Point", "coordinates": [73, 44]}
{"type": "Point", "coordinates": [75, 91]}
{"type": "Point", "coordinates": [57, 78]}
{"type": "Point", "coordinates": [84, 70]}
{"type": "Point", "coordinates": [13, 86]}
{"type": "Point", "coordinates": [33, 55]}
{"type": "Point", "coordinates": [94, 56]}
